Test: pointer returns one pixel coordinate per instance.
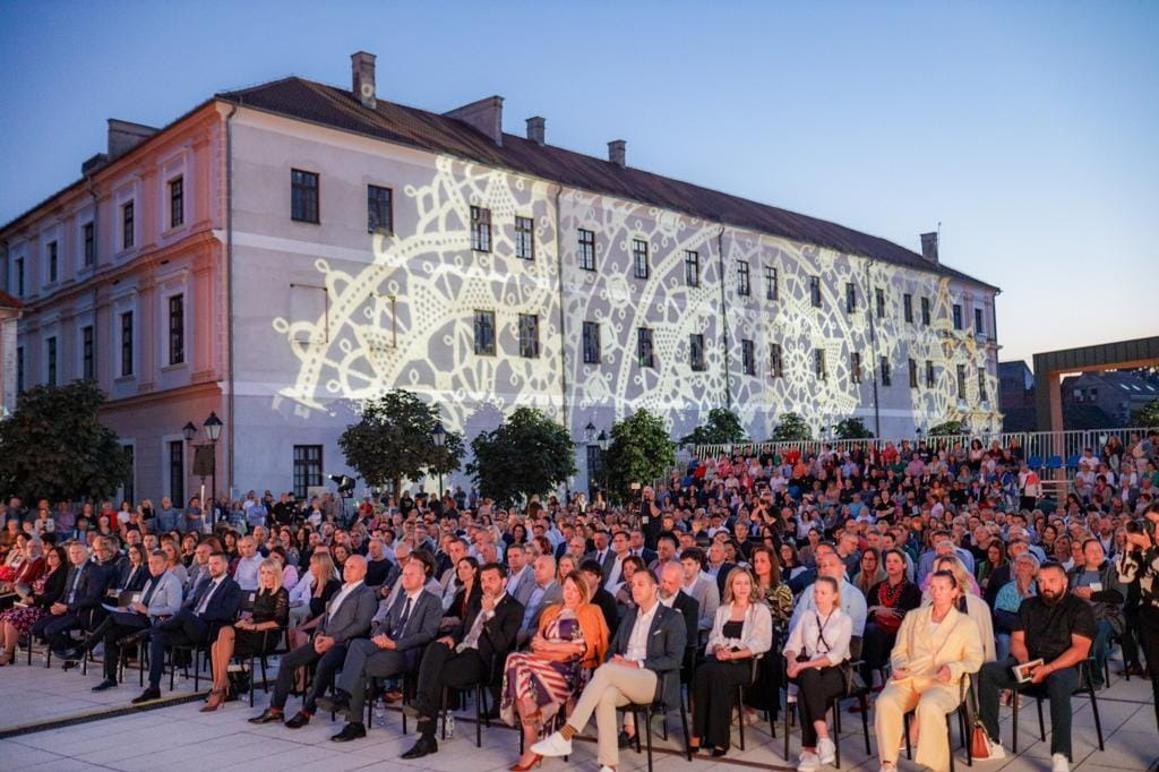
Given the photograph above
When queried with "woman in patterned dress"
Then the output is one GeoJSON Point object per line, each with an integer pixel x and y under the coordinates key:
{"type": "Point", "coordinates": [572, 638]}
{"type": "Point", "coordinates": [46, 591]}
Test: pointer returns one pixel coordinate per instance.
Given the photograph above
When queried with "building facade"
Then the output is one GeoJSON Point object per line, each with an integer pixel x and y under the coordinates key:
{"type": "Point", "coordinates": [281, 253]}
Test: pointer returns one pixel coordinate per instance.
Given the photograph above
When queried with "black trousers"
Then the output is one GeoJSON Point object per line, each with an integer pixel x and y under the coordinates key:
{"type": "Point", "coordinates": [54, 629]}
{"type": "Point", "coordinates": [876, 645]}
{"type": "Point", "coordinates": [817, 688]}
{"type": "Point", "coordinates": [443, 666]}
{"type": "Point", "coordinates": [181, 629]}
{"type": "Point", "coordinates": [713, 697]}
{"type": "Point", "coordinates": [325, 667]}
{"type": "Point", "coordinates": [111, 631]}
{"type": "Point", "coordinates": [1149, 626]}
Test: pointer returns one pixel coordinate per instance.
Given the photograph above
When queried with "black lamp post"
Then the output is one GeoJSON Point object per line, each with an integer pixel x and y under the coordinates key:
{"type": "Point", "coordinates": [603, 440]}
{"type": "Point", "coordinates": [212, 427]}
{"type": "Point", "coordinates": [189, 431]}
{"type": "Point", "coordinates": [439, 436]}
{"type": "Point", "coordinates": [590, 433]}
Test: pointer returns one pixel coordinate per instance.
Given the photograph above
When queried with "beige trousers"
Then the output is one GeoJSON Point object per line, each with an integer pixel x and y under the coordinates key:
{"type": "Point", "coordinates": [612, 686]}
{"type": "Point", "coordinates": [932, 700]}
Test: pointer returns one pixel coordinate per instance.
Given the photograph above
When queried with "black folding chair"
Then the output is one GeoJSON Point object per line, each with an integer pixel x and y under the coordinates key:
{"type": "Point", "coordinates": [657, 707]}
{"type": "Point", "coordinates": [1038, 692]}
{"type": "Point", "coordinates": [965, 693]}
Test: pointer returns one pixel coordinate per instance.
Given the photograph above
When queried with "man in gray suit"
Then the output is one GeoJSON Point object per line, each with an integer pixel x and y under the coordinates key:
{"type": "Point", "coordinates": [700, 587]}
{"type": "Point", "coordinates": [521, 579]}
{"type": "Point", "coordinates": [545, 591]}
{"type": "Point", "coordinates": [347, 616]}
{"type": "Point", "coordinates": [397, 637]}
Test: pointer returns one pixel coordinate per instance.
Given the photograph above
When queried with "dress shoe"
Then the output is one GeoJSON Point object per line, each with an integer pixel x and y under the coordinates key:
{"type": "Point", "coordinates": [298, 720]}
{"type": "Point", "coordinates": [339, 703]}
{"type": "Point", "coordinates": [393, 696]}
{"type": "Point", "coordinates": [268, 715]}
{"type": "Point", "coordinates": [424, 747]}
{"type": "Point", "coordinates": [147, 696]}
{"type": "Point", "coordinates": [104, 685]}
{"type": "Point", "coordinates": [351, 731]}
{"type": "Point", "coordinates": [625, 740]}
{"type": "Point", "coordinates": [554, 745]}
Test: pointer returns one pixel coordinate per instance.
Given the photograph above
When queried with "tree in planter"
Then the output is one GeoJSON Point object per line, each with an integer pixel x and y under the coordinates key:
{"type": "Point", "coordinates": [1148, 415]}
{"type": "Point", "coordinates": [53, 446]}
{"type": "Point", "coordinates": [641, 451]}
{"type": "Point", "coordinates": [792, 427]}
{"type": "Point", "coordinates": [723, 426]}
{"type": "Point", "coordinates": [395, 439]}
{"type": "Point", "coordinates": [947, 429]}
{"type": "Point", "coordinates": [528, 453]}
{"type": "Point", "coordinates": [852, 429]}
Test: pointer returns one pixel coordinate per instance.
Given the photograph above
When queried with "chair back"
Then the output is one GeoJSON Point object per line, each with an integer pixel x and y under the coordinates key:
{"type": "Point", "coordinates": [247, 600]}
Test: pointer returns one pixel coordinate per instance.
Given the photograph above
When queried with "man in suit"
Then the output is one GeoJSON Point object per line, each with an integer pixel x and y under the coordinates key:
{"type": "Point", "coordinates": [160, 599]}
{"type": "Point", "coordinates": [602, 554]}
{"type": "Point", "coordinates": [84, 590]}
{"type": "Point", "coordinates": [397, 636]}
{"type": "Point", "coordinates": [456, 550]}
{"type": "Point", "coordinates": [673, 596]}
{"type": "Point", "coordinates": [544, 593]}
{"type": "Point", "coordinates": [700, 587]}
{"type": "Point", "coordinates": [718, 567]}
{"type": "Point", "coordinates": [636, 547]}
{"type": "Point", "coordinates": [467, 656]}
{"type": "Point", "coordinates": [644, 665]}
{"type": "Point", "coordinates": [520, 574]}
{"type": "Point", "coordinates": [215, 604]}
{"type": "Point", "coordinates": [621, 549]}
{"type": "Point", "coordinates": [347, 617]}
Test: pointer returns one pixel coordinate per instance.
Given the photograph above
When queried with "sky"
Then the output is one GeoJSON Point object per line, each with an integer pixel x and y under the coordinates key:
{"type": "Point", "coordinates": [1028, 130]}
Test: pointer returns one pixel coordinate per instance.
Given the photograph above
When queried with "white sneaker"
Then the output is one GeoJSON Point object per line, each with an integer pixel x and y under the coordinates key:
{"type": "Point", "coordinates": [809, 762]}
{"type": "Point", "coordinates": [553, 746]}
{"type": "Point", "coordinates": [826, 751]}
{"type": "Point", "coordinates": [1059, 763]}
{"type": "Point", "coordinates": [606, 768]}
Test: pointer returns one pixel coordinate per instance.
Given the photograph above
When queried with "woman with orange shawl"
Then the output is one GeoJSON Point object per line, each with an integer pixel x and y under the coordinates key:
{"type": "Point", "coordinates": [572, 640]}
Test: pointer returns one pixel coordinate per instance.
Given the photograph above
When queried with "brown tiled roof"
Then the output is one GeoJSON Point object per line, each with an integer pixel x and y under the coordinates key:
{"type": "Point", "coordinates": [8, 301]}
{"type": "Point", "coordinates": [338, 108]}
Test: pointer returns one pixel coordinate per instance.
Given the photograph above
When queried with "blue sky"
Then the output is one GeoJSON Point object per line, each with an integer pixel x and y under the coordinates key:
{"type": "Point", "coordinates": [1029, 130]}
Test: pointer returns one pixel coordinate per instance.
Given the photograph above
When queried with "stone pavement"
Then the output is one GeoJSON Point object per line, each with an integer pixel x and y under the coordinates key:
{"type": "Point", "coordinates": [177, 737]}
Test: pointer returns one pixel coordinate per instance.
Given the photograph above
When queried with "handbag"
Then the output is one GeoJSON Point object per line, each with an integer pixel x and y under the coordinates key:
{"type": "Point", "coordinates": [239, 682]}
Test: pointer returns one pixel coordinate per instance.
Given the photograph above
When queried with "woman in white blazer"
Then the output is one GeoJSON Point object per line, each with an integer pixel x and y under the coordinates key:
{"type": "Point", "coordinates": [742, 630]}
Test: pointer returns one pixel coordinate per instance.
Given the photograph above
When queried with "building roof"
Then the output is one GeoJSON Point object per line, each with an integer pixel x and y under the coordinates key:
{"type": "Point", "coordinates": [8, 301]}
{"type": "Point", "coordinates": [338, 108]}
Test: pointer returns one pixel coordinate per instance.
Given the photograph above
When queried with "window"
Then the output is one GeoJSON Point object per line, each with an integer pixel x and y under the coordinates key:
{"type": "Point", "coordinates": [770, 283]}
{"type": "Point", "coordinates": [819, 368]}
{"type": "Point", "coordinates": [640, 258]}
{"type": "Point", "coordinates": [961, 381]}
{"type": "Point", "coordinates": [304, 196]}
{"type": "Point", "coordinates": [307, 469]}
{"type": "Point", "coordinates": [907, 302]}
{"type": "Point", "coordinates": [926, 312]}
{"type": "Point", "coordinates": [591, 343]}
{"type": "Point", "coordinates": [525, 238]}
{"type": "Point", "coordinates": [855, 366]}
{"type": "Point", "coordinates": [979, 328]}
{"type": "Point", "coordinates": [692, 268]}
{"type": "Point", "coordinates": [485, 333]}
{"type": "Point", "coordinates": [595, 466]}
{"type": "Point", "coordinates": [88, 366]}
{"type": "Point", "coordinates": [850, 297]}
{"type": "Point", "coordinates": [480, 229]}
{"type": "Point", "coordinates": [50, 357]}
{"type": "Point", "coordinates": [815, 291]}
{"type": "Point", "coordinates": [53, 265]}
{"type": "Point", "coordinates": [982, 397]}
{"type": "Point", "coordinates": [957, 317]}
{"type": "Point", "coordinates": [886, 375]}
{"type": "Point", "coordinates": [127, 225]}
{"type": "Point", "coordinates": [379, 209]}
{"type": "Point", "coordinates": [742, 278]}
{"type": "Point", "coordinates": [644, 355]}
{"type": "Point", "coordinates": [776, 360]}
{"type": "Point", "coordinates": [587, 249]}
{"type": "Point", "coordinates": [176, 329]}
{"type": "Point", "coordinates": [88, 235]}
{"type": "Point", "coordinates": [529, 336]}
{"type": "Point", "coordinates": [176, 202]}
{"type": "Point", "coordinates": [127, 343]}
{"type": "Point", "coordinates": [879, 298]}
{"type": "Point", "coordinates": [19, 369]}
{"type": "Point", "coordinates": [177, 472]}
{"type": "Point", "coordinates": [18, 269]}
{"type": "Point", "coordinates": [930, 380]}
{"type": "Point", "coordinates": [748, 357]}
{"type": "Point", "coordinates": [696, 351]}
{"type": "Point", "coordinates": [128, 489]}
{"type": "Point", "coordinates": [913, 373]}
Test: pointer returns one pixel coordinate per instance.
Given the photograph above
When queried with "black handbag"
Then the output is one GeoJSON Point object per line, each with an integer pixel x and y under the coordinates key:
{"type": "Point", "coordinates": [239, 683]}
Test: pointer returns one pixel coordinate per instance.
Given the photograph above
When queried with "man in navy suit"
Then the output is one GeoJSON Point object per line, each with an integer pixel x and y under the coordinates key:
{"type": "Point", "coordinates": [215, 603]}
{"type": "Point", "coordinates": [83, 590]}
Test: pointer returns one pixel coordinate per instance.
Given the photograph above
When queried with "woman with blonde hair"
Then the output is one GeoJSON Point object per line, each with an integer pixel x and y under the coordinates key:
{"type": "Point", "coordinates": [258, 634]}
{"type": "Point", "coordinates": [572, 639]}
{"type": "Point", "coordinates": [968, 601]}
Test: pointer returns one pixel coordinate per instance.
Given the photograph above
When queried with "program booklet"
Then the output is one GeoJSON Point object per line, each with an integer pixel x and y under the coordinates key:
{"type": "Point", "coordinates": [1023, 672]}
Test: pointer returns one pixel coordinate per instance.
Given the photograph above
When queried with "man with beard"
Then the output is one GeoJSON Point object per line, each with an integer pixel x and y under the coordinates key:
{"type": "Point", "coordinates": [1056, 627]}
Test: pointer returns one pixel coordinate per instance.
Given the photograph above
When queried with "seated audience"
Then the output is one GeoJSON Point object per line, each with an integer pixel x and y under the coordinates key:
{"type": "Point", "coordinates": [33, 605]}
{"type": "Point", "coordinates": [889, 601]}
{"type": "Point", "coordinates": [84, 591]}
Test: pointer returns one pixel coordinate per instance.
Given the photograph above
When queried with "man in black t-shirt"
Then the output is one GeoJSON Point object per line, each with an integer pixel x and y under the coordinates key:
{"type": "Point", "coordinates": [1057, 628]}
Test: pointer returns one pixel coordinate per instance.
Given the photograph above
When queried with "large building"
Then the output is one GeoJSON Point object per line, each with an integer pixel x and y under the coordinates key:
{"type": "Point", "coordinates": [279, 253]}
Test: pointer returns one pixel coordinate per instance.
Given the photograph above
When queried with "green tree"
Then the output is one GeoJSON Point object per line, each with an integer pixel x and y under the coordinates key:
{"type": "Point", "coordinates": [1148, 415]}
{"type": "Point", "coordinates": [792, 427]}
{"type": "Point", "coordinates": [852, 429]}
{"type": "Point", "coordinates": [640, 452]}
{"type": "Point", "coordinates": [53, 446]}
{"type": "Point", "coordinates": [946, 429]}
{"type": "Point", "coordinates": [721, 427]}
{"type": "Point", "coordinates": [394, 440]}
{"type": "Point", "coordinates": [528, 453]}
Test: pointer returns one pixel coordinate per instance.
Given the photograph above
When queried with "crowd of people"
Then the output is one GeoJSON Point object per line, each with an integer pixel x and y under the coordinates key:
{"type": "Point", "coordinates": [921, 572]}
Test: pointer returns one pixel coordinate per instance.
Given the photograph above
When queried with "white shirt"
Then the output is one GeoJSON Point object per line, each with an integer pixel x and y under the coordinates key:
{"type": "Point", "coordinates": [614, 574]}
{"type": "Point", "coordinates": [806, 637]}
{"type": "Point", "coordinates": [341, 596]}
{"type": "Point", "coordinates": [638, 641]}
{"type": "Point", "coordinates": [246, 573]}
{"type": "Point", "coordinates": [300, 595]}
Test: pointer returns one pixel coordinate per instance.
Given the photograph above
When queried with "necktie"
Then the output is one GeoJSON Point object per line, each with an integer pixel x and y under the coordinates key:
{"type": "Point", "coordinates": [400, 625]}
{"type": "Point", "coordinates": [209, 588]}
{"type": "Point", "coordinates": [153, 582]}
{"type": "Point", "coordinates": [75, 582]}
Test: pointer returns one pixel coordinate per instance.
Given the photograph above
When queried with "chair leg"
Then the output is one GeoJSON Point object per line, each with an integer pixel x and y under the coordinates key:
{"type": "Point", "coordinates": [684, 728]}
{"type": "Point", "coordinates": [963, 727]}
{"type": "Point", "coordinates": [1015, 696]}
{"type": "Point", "coordinates": [1098, 723]}
{"type": "Point", "coordinates": [636, 718]}
{"type": "Point", "coordinates": [837, 733]}
{"type": "Point", "coordinates": [443, 710]}
{"type": "Point", "coordinates": [648, 732]}
{"type": "Point", "coordinates": [865, 722]}
{"type": "Point", "coordinates": [909, 753]}
{"type": "Point", "coordinates": [172, 668]}
{"type": "Point", "coordinates": [1041, 723]}
{"type": "Point", "coordinates": [480, 711]}
{"type": "Point", "coordinates": [740, 713]}
{"type": "Point", "coordinates": [789, 706]}
{"type": "Point", "coordinates": [950, 740]}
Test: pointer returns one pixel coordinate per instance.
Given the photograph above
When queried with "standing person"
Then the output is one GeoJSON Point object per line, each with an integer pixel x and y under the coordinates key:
{"type": "Point", "coordinates": [1140, 563]}
{"type": "Point", "coordinates": [889, 602]}
{"type": "Point", "coordinates": [817, 646]}
{"type": "Point", "coordinates": [936, 646]}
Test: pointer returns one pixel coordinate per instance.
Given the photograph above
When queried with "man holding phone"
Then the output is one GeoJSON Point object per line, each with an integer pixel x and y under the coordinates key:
{"type": "Point", "coordinates": [1140, 562]}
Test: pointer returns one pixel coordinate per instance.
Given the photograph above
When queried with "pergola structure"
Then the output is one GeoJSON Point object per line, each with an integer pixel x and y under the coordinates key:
{"type": "Point", "coordinates": [1051, 365]}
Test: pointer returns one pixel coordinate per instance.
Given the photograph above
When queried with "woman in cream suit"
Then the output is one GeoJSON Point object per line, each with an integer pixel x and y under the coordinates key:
{"type": "Point", "coordinates": [936, 646]}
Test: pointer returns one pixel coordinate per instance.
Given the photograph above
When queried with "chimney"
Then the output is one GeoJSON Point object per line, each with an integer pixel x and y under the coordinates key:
{"type": "Point", "coordinates": [618, 152]}
{"type": "Point", "coordinates": [485, 115]}
{"type": "Point", "coordinates": [930, 247]}
{"type": "Point", "coordinates": [535, 129]}
{"type": "Point", "coordinates": [362, 67]}
{"type": "Point", "coordinates": [126, 135]}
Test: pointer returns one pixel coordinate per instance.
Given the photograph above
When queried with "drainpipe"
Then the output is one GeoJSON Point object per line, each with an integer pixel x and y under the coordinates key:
{"type": "Point", "coordinates": [870, 299]}
{"type": "Point", "coordinates": [232, 425]}
{"type": "Point", "coordinates": [562, 332]}
{"type": "Point", "coordinates": [724, 319]}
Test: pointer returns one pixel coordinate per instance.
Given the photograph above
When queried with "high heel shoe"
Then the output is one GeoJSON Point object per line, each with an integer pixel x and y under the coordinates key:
{"type": "Point", "coordinates": [216, 698]}
{"type": "Point", "coordinates": [535, 762]}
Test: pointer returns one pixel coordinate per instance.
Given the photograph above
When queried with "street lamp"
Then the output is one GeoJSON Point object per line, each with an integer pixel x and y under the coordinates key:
{"type": "Point", "coordinates": [212, 428]}
{"type": "Point", "coordinates": [589, 433]}
{"type": "Point", "coordinates": [190, 431]}
{"type": "Point", "coordinates": [604, 441]}
{"type": "Point", "coordinates": [439, 436]}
